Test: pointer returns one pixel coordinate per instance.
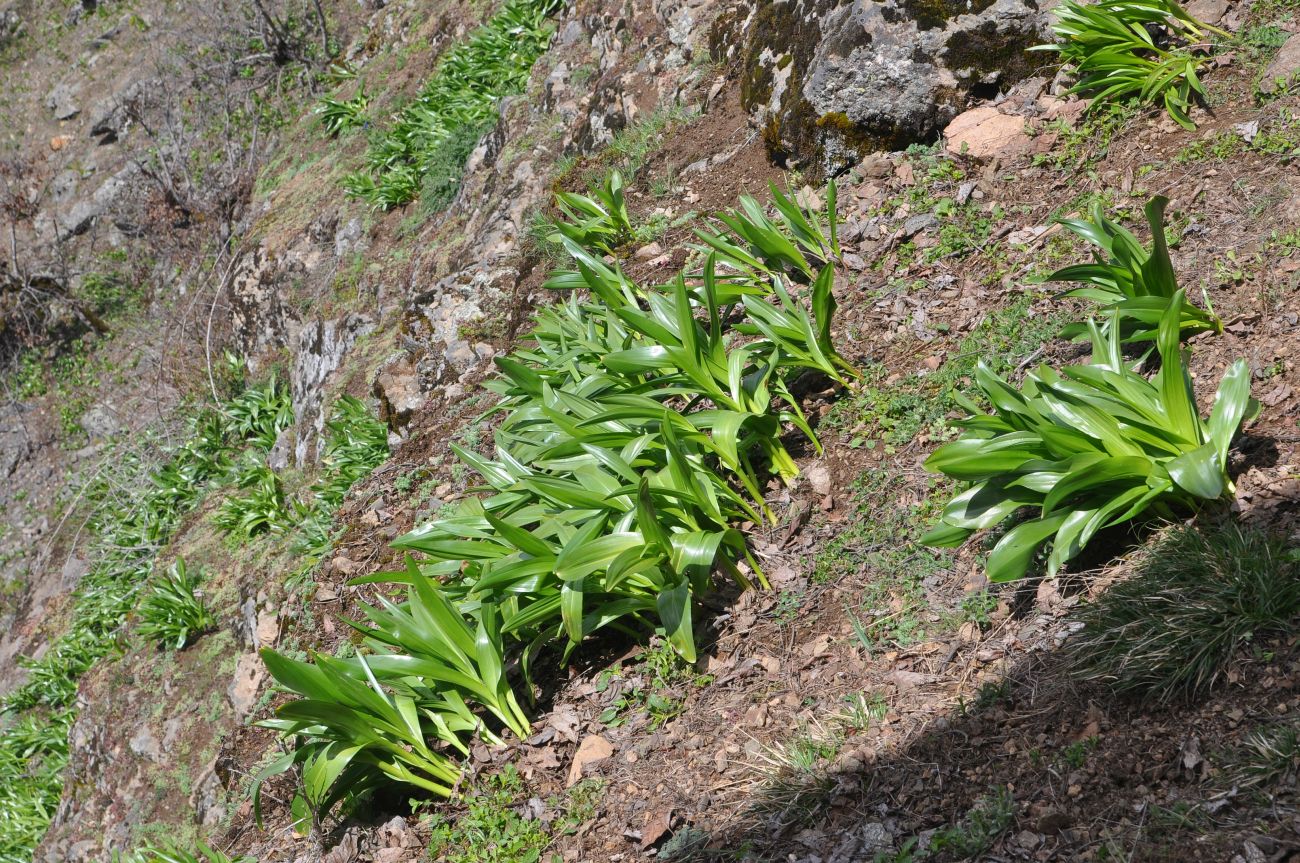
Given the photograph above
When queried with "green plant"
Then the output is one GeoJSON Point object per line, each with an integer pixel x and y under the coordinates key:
{"type": "Point", "coordinates": [1135, 285]}
{"type": "Point", "coordinates": [637, 430]}
{"type": "Point", "coordinates": [342, 115]}
{"type": "Point", "coordinates": [260, 413]}
{"type": "Point", "coordinates": [173, 612]}
{"type": "Point", "coordinates": [1197, 597]}
{"type": "Point", "coordinates": [351, 733]}
{"type": "Point", "coordinates": [988, 819]}
{"type": "Point", "coordinates": [262, 509]}
{"type": "Point", "coordinates": [598, 222]}
{"type": "Point", "coordinates": [751, 242]}
{"type": "Point", "coordinates": [458, 104]}
{"type": "Point", "coordinates": [1142, 49]}
{"type": "Point", "coordinates": [1090, 447]}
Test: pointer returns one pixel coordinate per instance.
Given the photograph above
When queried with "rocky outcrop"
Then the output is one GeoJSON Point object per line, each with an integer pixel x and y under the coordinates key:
{"type": "Point", "coordinates": [321, 347]}
{"type": "Point", "coordinates": [831, 82]}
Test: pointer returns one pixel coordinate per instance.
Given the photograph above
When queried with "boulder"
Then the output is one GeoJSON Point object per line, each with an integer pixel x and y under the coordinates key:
{"type": "Point", "coordinates": [1284, 69]}
{"type": "Point", "coordinates": [829, 83]}
{"type": "Point", "coordinates": [62, 101]}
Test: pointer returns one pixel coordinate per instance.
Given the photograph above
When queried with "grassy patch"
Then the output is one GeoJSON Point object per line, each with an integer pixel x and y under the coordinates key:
{"type": "Point", "coordinates": [500, 825]}
{"type": "Point", "coordinates": [1198, 596]}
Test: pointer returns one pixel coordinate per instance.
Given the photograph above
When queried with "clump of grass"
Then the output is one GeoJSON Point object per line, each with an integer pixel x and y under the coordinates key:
{"type": "Point", "coordinates": [1172, 629]}
{"type": "Point", "coordinates": [174, 611]}
{"type": "Point", "coordinates": [1269, 756]}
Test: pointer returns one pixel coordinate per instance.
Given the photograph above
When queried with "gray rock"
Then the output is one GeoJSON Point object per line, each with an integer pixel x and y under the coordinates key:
{"type": "Point", "coordinates": [145, 744]}
{"type": "Point", "coordinates": [281, 453]}
{"type": "Point", "coordinates": [1284, 68]}
{"type": "Point", "coordinates": [348, 237]}
{"type": "Point", "coordinates": [113, 119]}
{"type": "Point", "coordinates": [831, 82]}
{"type": "Point", "coordinates": [100, 421]}
{"type": "Point", "coordinates": [62, 101]}
{"type": "Point", "coordinates": [918, 223]}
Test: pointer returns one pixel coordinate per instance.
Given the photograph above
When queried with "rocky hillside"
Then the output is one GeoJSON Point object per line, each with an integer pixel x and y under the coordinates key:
{"type": "Point", "coordinates": [580, 389]}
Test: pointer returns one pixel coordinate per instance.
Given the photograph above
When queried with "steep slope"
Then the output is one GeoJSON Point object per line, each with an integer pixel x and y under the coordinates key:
{"type": "Point", "coordinates": [882, 700]}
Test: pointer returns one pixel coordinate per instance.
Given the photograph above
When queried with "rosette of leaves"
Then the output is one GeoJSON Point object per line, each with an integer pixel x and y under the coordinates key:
{"type": "Point", "coordinates": [1147, 50]}
{"type": "Point", "coordinates": [1070, 453]}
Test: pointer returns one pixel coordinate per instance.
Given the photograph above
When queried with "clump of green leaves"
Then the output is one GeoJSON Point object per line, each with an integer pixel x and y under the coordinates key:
{"type": "Point", "coordinates": [1135, 284]}
{"type": "Point", "coordinates": [461, 97]}
{"type": "Point", "coordinates": [174, 612]}
{"type": "Point", "coordinates": [638, 427]}
{"type": "Point", "coordinates": [1087, 448]}
{"type": "Point", "coordinates": [597, 222]}
{"type": "Point", "coordinates": [1197, 598]}
{"type": "Point", "coordinates": [1124, 49]}
{"type": "Point", "coordinates": [261, 508]}
{"type": "Point", "coordinates": [342, 115]}
{"type": "Point", "coordinates": [260, 413]}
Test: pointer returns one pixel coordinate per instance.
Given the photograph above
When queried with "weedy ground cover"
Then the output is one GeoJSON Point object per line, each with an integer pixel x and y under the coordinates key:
{"type": "Point", "coordinates": [639, 426]}
{"type": "Point", "coordinates": [424, 150]}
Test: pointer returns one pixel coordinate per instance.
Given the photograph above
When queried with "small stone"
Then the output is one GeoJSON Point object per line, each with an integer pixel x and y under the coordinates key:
{"type": "Point", "coordinates": [591, 750]}
{"type": "Point", "coordinates": [876, 166]}
{"type": "Point", "coordinates": [819, 477]}
{"type": "Point", "coordinates": [648, 251]}
{"type": "Point", "coordinates": [345, 566]}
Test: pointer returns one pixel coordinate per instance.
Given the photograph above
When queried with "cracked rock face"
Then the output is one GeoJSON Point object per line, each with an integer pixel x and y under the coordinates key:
{"type": "Point", "coordinates": [830, 82]}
